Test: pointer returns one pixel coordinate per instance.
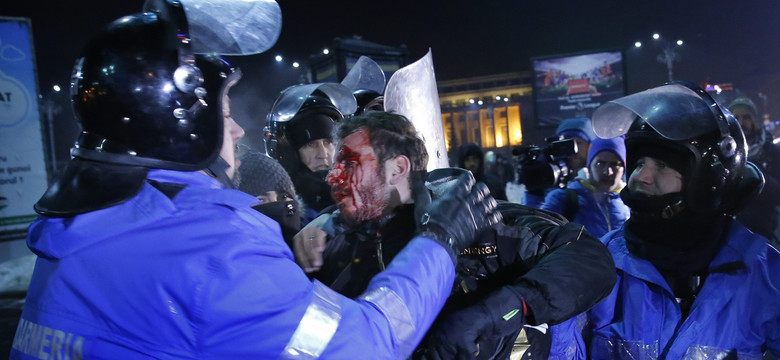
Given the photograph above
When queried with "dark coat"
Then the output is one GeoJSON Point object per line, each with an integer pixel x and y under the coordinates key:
{"type": "Point", "coordinates": [559, 269]}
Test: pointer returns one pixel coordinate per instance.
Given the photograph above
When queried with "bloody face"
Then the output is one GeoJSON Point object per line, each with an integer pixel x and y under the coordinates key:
{"type": "Point", "coordinates": [357, 179]}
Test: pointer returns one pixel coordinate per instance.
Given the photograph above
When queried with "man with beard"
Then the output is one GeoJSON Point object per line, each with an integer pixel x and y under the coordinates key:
{"type": "Point", "coordinates": [693, 282]}
{"type": "Point", "coordinates": [532, 269]}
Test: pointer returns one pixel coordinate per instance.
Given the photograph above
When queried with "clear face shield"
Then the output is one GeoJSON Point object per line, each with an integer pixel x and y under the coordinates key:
{"type": "Point", "coordinates": [292, 99]}
{"type": "Point", "coordinates": [222, 27]}
{"type": "Point", "coordinates": [675, 111]}
{"type": "Point", "coordinates": [366, 74]}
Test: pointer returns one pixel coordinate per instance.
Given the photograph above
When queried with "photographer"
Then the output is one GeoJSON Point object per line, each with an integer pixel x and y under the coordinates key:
{"type": "Point", "coordinates": [560, 163]}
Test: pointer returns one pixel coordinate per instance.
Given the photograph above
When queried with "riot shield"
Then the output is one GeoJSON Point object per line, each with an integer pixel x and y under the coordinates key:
{"type": "Point", "coordinates": [412, 92]}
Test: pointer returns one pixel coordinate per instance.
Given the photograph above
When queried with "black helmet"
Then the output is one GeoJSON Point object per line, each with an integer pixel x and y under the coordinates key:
{"type": "Point", "coordinates": [147, 96]}
{"type": "Point", "coordinates": [368, 100]}
{"type": "Point", "coordinates": [303, 113]}
{"type": "Point", "coordinates": [138, 105]}
{"type": "Point", "coordinates": [682, 118]}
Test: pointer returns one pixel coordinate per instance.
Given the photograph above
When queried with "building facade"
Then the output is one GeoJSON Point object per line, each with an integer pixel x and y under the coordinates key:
{"type": "Point", "coordinates": [495, 112]}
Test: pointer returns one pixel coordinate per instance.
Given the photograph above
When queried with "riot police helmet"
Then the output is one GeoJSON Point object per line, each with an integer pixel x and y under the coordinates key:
{"type": "Point", "coordinates": [682, 118]}
{"type": "Point", "coordinates": [147, 93]}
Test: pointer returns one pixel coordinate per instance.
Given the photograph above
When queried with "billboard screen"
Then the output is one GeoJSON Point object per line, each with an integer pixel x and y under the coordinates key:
{"type": "Point", "coordinates": [23, 177]}
{"type": "Point", "coordinates": [573, 86]}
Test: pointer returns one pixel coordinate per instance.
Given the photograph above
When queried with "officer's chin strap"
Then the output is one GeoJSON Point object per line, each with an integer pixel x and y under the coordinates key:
{"type": "Point", "coordinates": [420, 194]}
{"type": "Point", "coordinates": [218, 170]}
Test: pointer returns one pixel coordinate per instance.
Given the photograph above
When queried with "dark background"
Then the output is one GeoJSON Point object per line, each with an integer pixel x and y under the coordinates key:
{"type": "Point", "coordinates": [726, 41]}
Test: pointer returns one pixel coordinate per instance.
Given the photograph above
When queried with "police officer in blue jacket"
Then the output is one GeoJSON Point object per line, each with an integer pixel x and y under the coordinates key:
{"type": "Point", "coordinates": [693, 283]}
{"type": "Point", "coordinates": [145, 252]}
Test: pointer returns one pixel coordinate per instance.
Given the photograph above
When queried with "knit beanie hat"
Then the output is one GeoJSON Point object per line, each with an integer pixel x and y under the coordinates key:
{"type": "Point", "coordinates": [261, 173]}
{"type": "Point", "coordinates": [576, 127]}
{"type": "Point", "coordinates": [674, 157]}
{"type": "Point", "coordinates": [616, 145]}
{"type": "Point", "coordinates": [745, 102]}
{"type": "Point", "coordinates": [309, 127]}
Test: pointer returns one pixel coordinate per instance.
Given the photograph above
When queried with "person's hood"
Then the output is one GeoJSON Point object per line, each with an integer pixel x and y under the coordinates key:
{"type": "Point", "coordinates": [60, 237]}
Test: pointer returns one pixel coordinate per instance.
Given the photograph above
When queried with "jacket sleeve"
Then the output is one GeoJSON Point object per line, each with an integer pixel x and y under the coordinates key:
{"type": "Point", "coordinates": [568, 270]}
{"type": "Point", "coordinates": [568, 280]}
{"type": "Point", "coordinates": [259, 304]}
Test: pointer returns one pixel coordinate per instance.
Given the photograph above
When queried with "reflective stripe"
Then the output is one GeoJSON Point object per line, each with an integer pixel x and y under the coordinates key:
{"type": "Point", "coordinates": [317, 326]}
{"type": "Point", "coordinates": [604, 348]}
{"type": "Point", "coordinates": [396, 312]}
{"type": "Point", "coordinates": [628, 349]}
{"type": "Point", "coordinates": [702, 352]}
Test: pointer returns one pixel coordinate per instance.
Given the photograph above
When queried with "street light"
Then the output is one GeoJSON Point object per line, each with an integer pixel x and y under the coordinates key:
{"type": "Point", "coordinates": [668, 53]}
{"type": "Point", "coordinates": [50, 106]}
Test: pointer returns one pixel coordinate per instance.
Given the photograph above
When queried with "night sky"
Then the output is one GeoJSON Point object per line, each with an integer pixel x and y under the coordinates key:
{"type": "Point", "coordinates": [726, 41]}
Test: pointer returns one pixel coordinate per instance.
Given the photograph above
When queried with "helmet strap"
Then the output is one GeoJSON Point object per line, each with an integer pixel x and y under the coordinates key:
{"type": "Point", "coordinates": [218, 170]}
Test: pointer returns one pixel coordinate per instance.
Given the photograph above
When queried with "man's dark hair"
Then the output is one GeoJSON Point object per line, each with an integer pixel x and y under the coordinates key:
{"type": "Point", "coordinates": [390, 135]}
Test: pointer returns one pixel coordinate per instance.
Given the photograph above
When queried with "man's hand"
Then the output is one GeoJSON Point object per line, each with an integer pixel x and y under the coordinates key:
{"type": "Point", "coordinates": [456, 217]}
{"type": "Point", "coordinates": [309, 243]}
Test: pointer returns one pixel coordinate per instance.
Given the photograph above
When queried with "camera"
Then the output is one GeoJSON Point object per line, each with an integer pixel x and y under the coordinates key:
{"type": "Point", "coordinates": [543, 167]}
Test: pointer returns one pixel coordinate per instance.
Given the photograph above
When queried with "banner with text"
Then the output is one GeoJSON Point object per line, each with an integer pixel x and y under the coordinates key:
{"type": "Point", "coordinates": [22, 164]}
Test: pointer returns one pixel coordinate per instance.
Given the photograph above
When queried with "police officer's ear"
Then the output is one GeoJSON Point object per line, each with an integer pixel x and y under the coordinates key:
{"type": "Point", "coordinates": [397, 169]}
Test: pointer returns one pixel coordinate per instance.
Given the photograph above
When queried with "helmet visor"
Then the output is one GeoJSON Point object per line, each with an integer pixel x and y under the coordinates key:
{"type": "Point", "coordinates": [365, 74]}
{"type": "Point", "coordinates": [228, 27]}
{"type": "Point", "coordinates": [292, 98]}
{"type": "Point", "coordinates": [674, 111]}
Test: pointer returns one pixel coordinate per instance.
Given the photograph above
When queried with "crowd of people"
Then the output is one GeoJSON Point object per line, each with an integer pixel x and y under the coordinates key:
{"type": "Point", "coordinates": [164, 239]}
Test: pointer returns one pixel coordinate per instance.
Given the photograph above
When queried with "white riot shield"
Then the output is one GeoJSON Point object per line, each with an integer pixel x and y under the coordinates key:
{"type": "Point", "coordinates": [412, 92]}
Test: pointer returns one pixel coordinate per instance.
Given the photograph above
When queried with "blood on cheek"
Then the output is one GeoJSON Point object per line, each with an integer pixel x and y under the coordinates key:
{"type": "Point", "coordinates": [347, 172]}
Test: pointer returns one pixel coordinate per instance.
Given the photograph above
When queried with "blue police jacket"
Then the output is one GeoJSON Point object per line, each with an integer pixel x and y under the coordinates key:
{"type": "Point", "coordinates": [204, 276]}
{"type": "Point", "coordinates": [736, 313]}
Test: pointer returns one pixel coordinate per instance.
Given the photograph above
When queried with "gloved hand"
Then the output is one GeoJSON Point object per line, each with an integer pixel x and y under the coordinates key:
{"type": "Point", "coordinates": [458, 335]}
{"type": "Point", "coordinates": [456, 217]}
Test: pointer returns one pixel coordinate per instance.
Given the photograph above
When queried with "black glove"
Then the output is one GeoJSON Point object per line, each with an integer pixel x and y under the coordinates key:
{"type": "Point", "coordinates": [458, 335]}
{"type": "Point", "coordinates": [459, 214]}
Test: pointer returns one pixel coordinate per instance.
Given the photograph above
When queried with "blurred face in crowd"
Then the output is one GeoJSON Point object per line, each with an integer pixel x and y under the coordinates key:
{"type": "Point", "coordinates": [746, 121]}
{"type": "Point", "coordinates": [357, 179]}
{"type": "Point", "coordinates": [273, 196]}
{"type": "Point", "coordinates": [654, 177]}
{"type": "Point", "coordinates": [580, 159]}
{"type": "Point", "coordinates": [317, 155]}
{"type": "Point", "coordinates": [606, 171]}
{"type": "Point", "coordinates": [230, 136]}
{"type": "Point", "coordinates": [471, 163]}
